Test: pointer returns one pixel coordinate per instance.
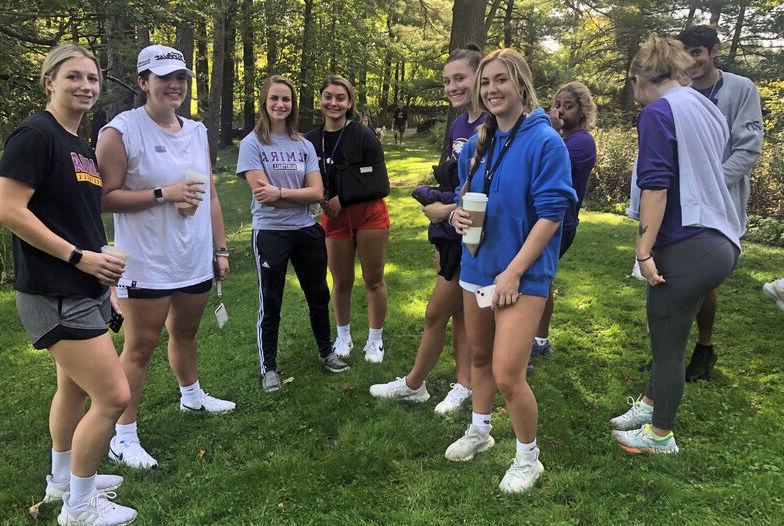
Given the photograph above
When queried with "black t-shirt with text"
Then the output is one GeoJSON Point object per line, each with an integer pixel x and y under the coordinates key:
{"type": "Point", "coordinates": [400, 116]}
{"type": "Point", "coordinates": [63, 171]}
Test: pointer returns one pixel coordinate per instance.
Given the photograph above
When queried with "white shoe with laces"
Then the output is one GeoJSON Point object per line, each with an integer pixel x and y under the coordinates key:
{"type": "Point", "coordinates": [207, 404]}
{"type": "Point", "coordinates": [130, 453]}
{"type": "Point", "coordinates": [636, 416]}
{"type": "Point", "coordinates": [521, 475]}
{"type": "Point", "coordinates": [472, 442]}
{"type": "Point", "coordinates": [97, 510]}
{"type": "Point", "coordinates": [453, 399]}
{"type": "Point", "coordinates": [374, 352]}
{"type": "Point", "coordinates": [55, 491]}
{"type": "Point", "coordinates": [397, 389]}
{"type": "Point", "coordinates": [343, 346]}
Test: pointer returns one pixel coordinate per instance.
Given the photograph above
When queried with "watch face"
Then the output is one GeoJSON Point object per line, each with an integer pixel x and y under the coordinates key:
{"type": "Point", "coordinates": [158, 194]}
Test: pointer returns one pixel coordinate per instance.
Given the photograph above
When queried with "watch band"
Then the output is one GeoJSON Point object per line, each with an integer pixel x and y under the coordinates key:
{"type": "Point", "coordinates": [158, 192]}
{"type": "Point", "coordinates": [76, 256]}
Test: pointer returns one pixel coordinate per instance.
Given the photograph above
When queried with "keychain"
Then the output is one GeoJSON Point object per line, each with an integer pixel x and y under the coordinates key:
{"type": "Point", "coordinates": [221, 316]}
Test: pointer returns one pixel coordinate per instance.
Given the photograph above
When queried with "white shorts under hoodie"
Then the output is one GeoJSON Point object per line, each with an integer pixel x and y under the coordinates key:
{"type": "Point", "coordinates": [168, 250]}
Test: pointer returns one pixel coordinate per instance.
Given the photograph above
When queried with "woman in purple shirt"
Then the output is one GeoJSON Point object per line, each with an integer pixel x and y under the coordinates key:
{"type": "Point", "coordinates": [572, 114]}
{"type": "Point", "coordinates": [447, 298]}
{"type": "Point", "coordinates": [688, 240]}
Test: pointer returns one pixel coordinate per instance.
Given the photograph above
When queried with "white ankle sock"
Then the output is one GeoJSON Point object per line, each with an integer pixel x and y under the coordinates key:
{"type": "Point", "coordinates": [482, 422]}
{"type": "Point", "coordinates": [191, 393]}
{"type": "Point", "coordinates": [126, 432]}
{"type": "Point", "coordinates": [81, 488]}
{"type": "Point", "coordinates": [61, 466]}
{"type": "Point", "coordinates": [344, 331]}
{"type": "Point", "coordinates": [529, 450]}
{"type": "Point", "coordinates": [645, 406]}
{"type": "Point", "coordinates": [374, 335]}
{"type": "Point", "coordinates": [541, 341]}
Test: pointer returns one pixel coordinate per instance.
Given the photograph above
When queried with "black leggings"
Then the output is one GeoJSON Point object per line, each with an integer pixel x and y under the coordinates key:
{"type": "Point", "coordinates": [691, 267]}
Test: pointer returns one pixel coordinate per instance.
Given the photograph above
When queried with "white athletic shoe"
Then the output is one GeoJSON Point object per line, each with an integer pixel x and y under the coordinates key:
{"type": "Point", "coordinates": [398, 390]}
{"type": "Point", "coordinates": [374, 352]}
{"type": "Point", "coordinates": [521, 475]}
{"type": "Point", "coordinates": [453, 399]}
{"type": "Point", "coordinates": [342, 346]}
{"type": "Point", "coordinates": [103, 483]}
{"type": "Point", "coordinates": [636, 416]}
{"type": "Point", "coordinates": [471, 443]}
{"type": "Point", "coordinates": [97, 510]}
{"type": "Point", "coordinates": [775, 291]}
{"type": "Point", "coordinates": [207, 404]}
{"type": "Point", "coordinates": [131, 454]}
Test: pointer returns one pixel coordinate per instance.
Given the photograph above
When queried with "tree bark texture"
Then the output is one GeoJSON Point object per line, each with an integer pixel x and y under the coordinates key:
{"type": "Point", "coordinates": [184, 43]}
{"type": "Point", "coordinates": [227, 85]}
{"type": "Point", "coordinates": [308, 62]}
{"type": "Point", "coordinates": [249, 69]}
{"type": "Point", "coordinates": [216, 78]}
{"type": "Point", "coordinates": [202, 70]}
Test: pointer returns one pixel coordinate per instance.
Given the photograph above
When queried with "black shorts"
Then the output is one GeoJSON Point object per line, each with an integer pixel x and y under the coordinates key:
{"type": "Point", "coordinates": [147, 294]}
{"type": "Point", "coordinates": [567, 238]}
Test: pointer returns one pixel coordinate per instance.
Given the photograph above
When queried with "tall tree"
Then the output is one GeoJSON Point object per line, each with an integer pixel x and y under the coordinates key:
{"type": "Point", "coordinates": [468, 23]}
{"type": "Point", "coordinates": [307, 67]}
{"type": "Point", "coordinates": [216, 78]}
{"type": "Point", "coordinates": [202, 69]}
{"type": "Point", "coordinates": [184, 43]}
{"type": "Point", "coordinates": [227, 83]}
{"type": "Point", "coordinates": [249, 69]}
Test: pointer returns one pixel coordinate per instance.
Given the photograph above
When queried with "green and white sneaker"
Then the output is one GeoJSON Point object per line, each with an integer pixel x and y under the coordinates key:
{"type": "Point", "coordinates": [472, 442]}
{"type": "Point", "coordinates": [521, 475]}
{"type": "Point", "coordinates": [636, 416]}
{"type": "Point", "coordinates": [644, 440]}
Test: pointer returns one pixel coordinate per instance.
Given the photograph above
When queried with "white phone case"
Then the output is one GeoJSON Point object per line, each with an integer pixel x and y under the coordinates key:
{"type": "Point", "coordinates": [484, 296]}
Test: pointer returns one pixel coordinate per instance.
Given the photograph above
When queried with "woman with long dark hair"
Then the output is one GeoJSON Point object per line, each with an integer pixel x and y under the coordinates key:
{"type": "Point", "coordinates": [50, 198]}
{"type": "Point", "coordinates": [282, 170]}
{"type": "Point", "coordinates": [356, 219]}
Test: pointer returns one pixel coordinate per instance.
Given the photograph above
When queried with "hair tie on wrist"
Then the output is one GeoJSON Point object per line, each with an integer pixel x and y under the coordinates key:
{"type": "Point", "coordinates": [644, 259]}
{"type": "Point", "coordinates": [451, 215]}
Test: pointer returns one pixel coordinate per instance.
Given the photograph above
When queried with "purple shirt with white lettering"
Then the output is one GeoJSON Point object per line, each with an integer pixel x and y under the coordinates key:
{"type": "Point", "coordinates": [582, 156]}
{"type": "Point", "coordinates": [461, 131]}
{"type": "Point", "coordinates": [657, 168]}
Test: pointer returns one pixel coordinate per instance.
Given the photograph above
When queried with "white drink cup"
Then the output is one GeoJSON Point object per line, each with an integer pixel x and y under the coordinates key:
{"type": "Point", "coordinates": [187, 209]}
{"type": "Point", "coordinates": [116, 252]}
{"type": "Point", "coordinates": [475, 203]}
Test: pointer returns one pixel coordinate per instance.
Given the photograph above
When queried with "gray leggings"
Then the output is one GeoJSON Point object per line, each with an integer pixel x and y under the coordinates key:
{"type": "Point", "coordinates": [691, 267]}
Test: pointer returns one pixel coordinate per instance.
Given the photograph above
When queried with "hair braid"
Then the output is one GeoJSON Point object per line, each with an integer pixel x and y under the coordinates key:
{"type": "Point", "coordinates": [485, 133]}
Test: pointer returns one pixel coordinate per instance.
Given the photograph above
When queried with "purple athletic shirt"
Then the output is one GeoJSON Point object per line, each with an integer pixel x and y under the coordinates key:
{"type": "Point", "coordinates": [657, 168]}
{"type": "Point", "coordinates": [461, 131]}
{"type": "Point", "coordinates": [582, 155]}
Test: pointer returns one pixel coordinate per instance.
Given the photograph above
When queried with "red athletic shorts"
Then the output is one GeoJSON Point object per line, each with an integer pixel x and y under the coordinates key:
{"type": "Point", "coordinates": [361, 216]}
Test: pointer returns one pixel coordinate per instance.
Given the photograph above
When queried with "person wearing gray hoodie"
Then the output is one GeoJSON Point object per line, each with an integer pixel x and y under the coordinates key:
{"type": "Point", "coordinates": [738, 100]}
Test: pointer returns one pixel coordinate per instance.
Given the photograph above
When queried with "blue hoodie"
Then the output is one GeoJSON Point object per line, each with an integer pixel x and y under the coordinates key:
{"type": "Point", "coordinates": [533, 182]}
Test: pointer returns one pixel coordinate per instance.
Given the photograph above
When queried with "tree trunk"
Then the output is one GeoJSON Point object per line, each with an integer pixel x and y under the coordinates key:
{"type": "Point", "coordinates": [249, 69]}
{"type": "Point", "coordinates": [270, 14]}
{"type": "Point", "coordinates": [216, 78]}
{"type": "Point", "coordinates": [690, 18]}
{"type": "Point", "coordinates": [307, 68]}
{"type": "Point", "coordinates": [715, 12]}
{"type": "Point", "coordinates": [508, 23]}
{"type": "Point", "coordinates": [202, 70]}
{"type": "Point", "coordinates": [227, 85]}
{"type": "Point", "coordinates": [489, 20]}
{"type": "Point", "coordinates": [468, 18]}
{"type": "Point", "coordinates": [385, 77]}
{"type": "Point", "coordinates": [736, 34]}
{"type": "Point", "coordinates": [397, 83]}
{"type": "Point", "coordinates": [184, 43]}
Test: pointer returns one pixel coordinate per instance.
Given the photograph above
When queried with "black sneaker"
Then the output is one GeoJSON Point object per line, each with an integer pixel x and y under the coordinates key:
{"type": "Point", "coordinates": [333, 364]}
{"type": "Point", "coordinates": [702, 361]}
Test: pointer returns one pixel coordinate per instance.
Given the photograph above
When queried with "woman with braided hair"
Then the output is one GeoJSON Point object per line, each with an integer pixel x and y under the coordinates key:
{"type": "Point", "coordinates": [521, 164]}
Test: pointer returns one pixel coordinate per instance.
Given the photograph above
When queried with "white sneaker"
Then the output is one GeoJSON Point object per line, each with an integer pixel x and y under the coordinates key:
{"type": "Point", "coordinates": [207, 404]}
{"type": "Point", "coordinates": [103, 483]}
{"type": "Point", "coordinates": [374, 352]}
{"type": "Point", "coordinates": [521, 475]}
{"type": "Point", "coordinates": [471, 443]}
{"type": "Point", "coordinates": [398, 390]}
{"type": "Point", "coordinates": [97, 510]}
{"type": "Point", "coordinates": [636, 416]}
{"type": "Point", "coordinates": [342, 346]}
{"type": "Point", "coordinates": [130, 453]}
{"type": "Point", "coordinates": [775, 291]}
{"type": "Point", "coordinates": [453, 399]}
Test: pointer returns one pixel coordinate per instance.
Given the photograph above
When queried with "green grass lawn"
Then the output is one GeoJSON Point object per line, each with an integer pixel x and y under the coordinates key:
{"type": "Point", "coordinates": [322, 451]}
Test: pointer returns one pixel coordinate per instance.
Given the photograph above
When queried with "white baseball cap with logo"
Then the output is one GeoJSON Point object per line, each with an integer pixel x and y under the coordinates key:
{"type": "Point", "coordinates": [161, 60]}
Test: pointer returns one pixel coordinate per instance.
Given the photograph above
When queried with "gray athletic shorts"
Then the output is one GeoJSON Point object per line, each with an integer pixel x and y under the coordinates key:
{"type": "Point", "coordinates": [49, 319]}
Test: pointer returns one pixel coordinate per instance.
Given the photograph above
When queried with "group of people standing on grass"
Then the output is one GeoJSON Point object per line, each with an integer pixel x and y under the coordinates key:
{"type": "Point", "coordinates": [151, 168]}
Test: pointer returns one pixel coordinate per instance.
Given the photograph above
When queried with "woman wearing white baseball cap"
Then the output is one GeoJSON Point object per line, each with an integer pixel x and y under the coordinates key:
{"type": "Point", "coordinates": [157, 181]}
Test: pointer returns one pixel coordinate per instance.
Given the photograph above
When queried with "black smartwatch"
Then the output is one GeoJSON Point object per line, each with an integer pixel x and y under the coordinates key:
{"type": "Point", "coordinates": [76, 257]}
{"type": "Point", "coordinates": [158, 192]}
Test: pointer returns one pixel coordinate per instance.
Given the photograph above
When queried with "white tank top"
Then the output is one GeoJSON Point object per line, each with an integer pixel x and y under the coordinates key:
{"type": "Point", "coordinates": [168, 250]}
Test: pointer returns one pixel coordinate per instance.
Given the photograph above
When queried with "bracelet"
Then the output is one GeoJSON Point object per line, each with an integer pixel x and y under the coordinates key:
{"type": "Point", "coordinates": [451, 215]}
{"type": "Point", "coordinates": [222, 253]}
{"type": "Point", "coordinates": [644, 259]}
{"type": "Point", "coordinates": [280, 192]}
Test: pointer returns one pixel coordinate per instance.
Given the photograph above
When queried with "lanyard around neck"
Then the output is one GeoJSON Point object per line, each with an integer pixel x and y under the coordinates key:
{"type": "Point", "coordinates": [490, 168]}
{"type": "Point", "coordinates": [329, 160]}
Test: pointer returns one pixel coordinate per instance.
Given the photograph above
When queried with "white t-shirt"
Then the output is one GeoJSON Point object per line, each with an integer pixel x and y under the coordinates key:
{"type": "Point", "coordinates": [287, 162]}
{"type": "Point", "coordinates": [168, 250]}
